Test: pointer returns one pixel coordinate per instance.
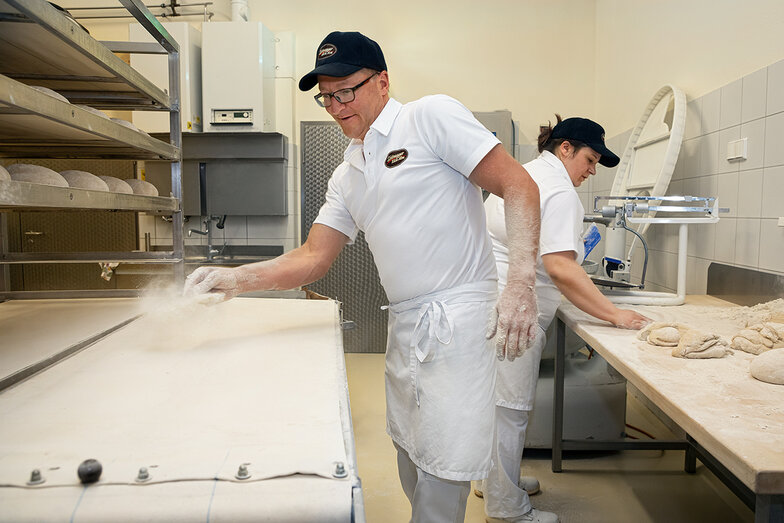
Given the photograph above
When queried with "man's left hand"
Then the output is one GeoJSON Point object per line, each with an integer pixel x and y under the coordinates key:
{"type": "Point", "coordinates": [516, 313]}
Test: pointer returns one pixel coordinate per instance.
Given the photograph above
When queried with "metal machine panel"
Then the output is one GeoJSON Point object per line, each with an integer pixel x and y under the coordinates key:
{"type": "Point", "coordinates": [238, 75]}
{"type": "Point", "coordinates": [156, 69]}
{"type": "Point", "coordinates": [353, 278]}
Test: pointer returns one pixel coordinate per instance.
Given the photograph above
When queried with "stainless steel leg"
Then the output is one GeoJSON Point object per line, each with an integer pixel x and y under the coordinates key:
{"type": "Point", "coordinates": [769, 508]}
{"type": "Point", "coordinates": [558, 396]}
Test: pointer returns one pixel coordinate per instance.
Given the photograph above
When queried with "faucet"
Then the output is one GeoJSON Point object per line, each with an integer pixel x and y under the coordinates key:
{"type": "Point", "coordinates": [211, 251]}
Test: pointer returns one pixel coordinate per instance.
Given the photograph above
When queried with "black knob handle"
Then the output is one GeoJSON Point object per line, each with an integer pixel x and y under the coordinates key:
{"type": "Point", "coordinates": [90, 471]}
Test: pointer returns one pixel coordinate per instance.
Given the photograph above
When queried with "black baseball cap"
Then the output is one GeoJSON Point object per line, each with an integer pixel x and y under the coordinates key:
{"type": "Point", "coordinates": [341, 54]}
{"type": "Point", "coordinates": [588, 132]}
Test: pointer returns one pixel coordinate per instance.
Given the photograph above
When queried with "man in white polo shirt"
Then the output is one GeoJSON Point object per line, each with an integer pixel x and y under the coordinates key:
{"type": "Point", "coordinates": [411, 181]}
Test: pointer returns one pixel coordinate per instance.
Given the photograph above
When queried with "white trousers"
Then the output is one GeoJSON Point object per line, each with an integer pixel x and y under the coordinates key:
{"type": "Point", "coordinates": [433, 499]}
{"type": "Point", "coordinates": [503, 496]}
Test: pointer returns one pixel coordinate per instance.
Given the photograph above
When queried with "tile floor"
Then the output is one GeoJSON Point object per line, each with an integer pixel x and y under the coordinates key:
{"type": "Point", "coordinates": [612, 487]}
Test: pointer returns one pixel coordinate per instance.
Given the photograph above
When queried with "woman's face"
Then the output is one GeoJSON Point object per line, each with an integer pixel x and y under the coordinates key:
{"type": "Point", "coordinates": [579, 164]}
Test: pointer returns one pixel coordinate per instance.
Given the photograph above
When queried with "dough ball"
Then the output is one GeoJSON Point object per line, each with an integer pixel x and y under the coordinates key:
{"type": "Point", "coordinates": [24, 172]}
{"type": "Point", "coordinates": [84, 180]}
{"type": "Point", "coordinates": [700, 345]}
{"type": "Point", "coordinates": [142, 187]}
{"type": "Point", "coordinates": [117, 185]}
{"type": "Point", "coordinates": [4, 174]}
{"type": "Point", "coordinates": [93, 110]}
{"type": "Point", "coordinates": [664, 337]}
{"type": "Point", "coordinates": [769, 367]}
{"type": "Point", "coordinates": [49, 92]}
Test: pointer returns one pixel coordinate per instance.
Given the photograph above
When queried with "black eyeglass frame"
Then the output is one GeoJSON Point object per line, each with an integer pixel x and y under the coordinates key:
{"type": "Point", "coordinates": [340, 93]}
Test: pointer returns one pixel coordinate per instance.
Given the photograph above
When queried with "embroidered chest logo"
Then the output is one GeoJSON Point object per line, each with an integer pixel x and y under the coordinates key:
{"type": "Point", "coordinates": [395, 158]}
{"type": "Point", "coordinates": [326, 51]}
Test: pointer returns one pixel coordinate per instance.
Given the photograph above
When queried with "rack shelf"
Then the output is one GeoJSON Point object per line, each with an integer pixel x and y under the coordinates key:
{"type": "Point", "coordinates": [36, 125]}
{"type": "Point", "coordinates": [41, 46]}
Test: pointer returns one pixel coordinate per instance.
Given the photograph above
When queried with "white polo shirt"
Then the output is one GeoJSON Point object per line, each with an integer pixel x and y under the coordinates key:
{"type": "Point", "coordinates": [406, 186]}
{"type": "Point", "coordinates": [561, 228]}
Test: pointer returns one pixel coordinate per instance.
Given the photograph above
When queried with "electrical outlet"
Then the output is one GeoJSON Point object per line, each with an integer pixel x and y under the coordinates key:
{"type": "Point", "coordinates": [738, 149]}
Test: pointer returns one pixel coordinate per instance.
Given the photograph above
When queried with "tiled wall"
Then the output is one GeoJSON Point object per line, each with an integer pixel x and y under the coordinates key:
{"type": "Point", "coordinates": [748, 235]}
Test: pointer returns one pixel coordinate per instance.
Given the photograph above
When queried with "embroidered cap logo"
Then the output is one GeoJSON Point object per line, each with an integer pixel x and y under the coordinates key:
{"type": "Point", "coordinates": [326, 51]}
{"type": "Point", "coordinates": [395, 158]}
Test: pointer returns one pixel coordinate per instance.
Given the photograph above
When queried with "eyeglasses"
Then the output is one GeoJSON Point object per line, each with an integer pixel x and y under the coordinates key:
{"type": "Point", "coordinates": [343, 96]}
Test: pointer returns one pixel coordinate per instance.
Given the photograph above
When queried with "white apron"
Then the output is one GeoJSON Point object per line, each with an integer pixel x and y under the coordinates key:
{"type": "Point", "coordinates": [516, 380]}
{"type": "Point", "coordinates": [440, 375]}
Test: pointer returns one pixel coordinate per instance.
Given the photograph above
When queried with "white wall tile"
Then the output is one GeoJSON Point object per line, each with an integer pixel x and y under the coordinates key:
{"type": "Point", "coordinates": [146, 224]}
{"type": "Point", "coordinates": [749, 193]}
{"type": "Point", "coordinates": [700, 282]}
{"type": "Point", "coordinates": [691, 157]}
{"type": "Point", "coordinates": [709, 186]}
{"type": "Point", "coordinates": [755, 87]}
{"type": "Point", "coordinates": [711, 112]}
{"type": "Point", "coordinates": [163, 230]}
{"type": "Point", "coordinates": [702, 240]}
{"type": "Point", "coordinates": [771, 255]}
{"type": "Point", "coordinates": [727, 185]}
{"type": "Point", "coordinates": [747, 242]}
{"type": "Point", "coordinates": [725, 137]}
{"type": "Point", "coordinates": [773, 192]}
{"type": "Point", "coordinates": [755, 132]}
{"type": "Point", "coordinates": [236, 227]}
{"type": "Point", "coordinates": [731, 99]}
{"type": "Point", "coordinates": [774, 138]}
{"type": "Point", "coordinates": [725, 240]}
{"type": "Point", "coordinates": [709, 153]}
{"type": "Point", "coordinates": [693, 127]}
{"type": "Point", "coordinates": [775, 98]}
{"type": "Point", "coordinates": [235, 241]}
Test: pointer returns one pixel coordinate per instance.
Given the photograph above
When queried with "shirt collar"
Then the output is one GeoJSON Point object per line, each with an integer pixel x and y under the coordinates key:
{"type": "Point", "coordinates": [555, 163]}
{"type": "Point", "coordinates": [382, 124]}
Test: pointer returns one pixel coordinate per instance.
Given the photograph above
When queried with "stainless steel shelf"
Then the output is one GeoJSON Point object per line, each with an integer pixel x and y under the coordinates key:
{"type": "Point", "coordinates": [41, 46]}
{"type": "Point", "coordinates": [34, 124]}
{"type": "Point", "coordinates": [90, 257]}
{"type": "Point", "coordinates": [31, 196]}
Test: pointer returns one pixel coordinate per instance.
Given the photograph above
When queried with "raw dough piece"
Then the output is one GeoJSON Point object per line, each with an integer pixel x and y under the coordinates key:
{"type": "Point", "coordinates": [24, 172]}
{"type": "Point", "coordinates": [93, 110]}
{"type": "Point", "coordinates": [662, 334]}
{"type": "Point", "coordinates": [769, 367]}
{"type": "Point", "coordinates": [53, 94]}
{"type": "Point", "coordinates": [84, 180]}
{"type": "Point", "coordinates": [758, 338]}
{"type": "Point", "coordinates": [700, 345]}
{"type": "Point", "coordinates": [142, 187]}
{"type": "Point", "coordinates": [4, 174]}
{"type": "Point", "coordinates": [117, 185]}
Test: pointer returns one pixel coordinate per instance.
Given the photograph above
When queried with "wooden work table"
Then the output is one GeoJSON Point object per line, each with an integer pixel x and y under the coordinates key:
{"type": "Point", "coordinates": [734, 423]}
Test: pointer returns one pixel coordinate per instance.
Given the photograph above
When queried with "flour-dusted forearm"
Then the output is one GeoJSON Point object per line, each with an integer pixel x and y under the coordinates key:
{"type": "Point", "coordinates": [503, 176]}
{"type": "Point", "coordinates": [297, 267]}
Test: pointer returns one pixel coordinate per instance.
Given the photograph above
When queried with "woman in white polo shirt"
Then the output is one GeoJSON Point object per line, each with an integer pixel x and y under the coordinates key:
{"type": "Point", "coordinates": [569, 154]}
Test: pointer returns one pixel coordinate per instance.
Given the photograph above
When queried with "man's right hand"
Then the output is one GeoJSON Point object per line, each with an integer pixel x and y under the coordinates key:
{"type": "Point", "coordinates": [217, 280]}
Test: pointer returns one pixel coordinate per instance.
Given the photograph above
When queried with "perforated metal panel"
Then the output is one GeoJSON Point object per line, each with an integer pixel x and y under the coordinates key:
{"type": "Point", "coordinates": [353, 278]}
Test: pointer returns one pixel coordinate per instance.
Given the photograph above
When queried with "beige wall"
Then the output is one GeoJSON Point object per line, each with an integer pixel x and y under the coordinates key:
{"type": "Point", "coordinates": [697, 45]}
{"type": "Point", "coordinates": [536, 57]}
{"type": "Point", "coordinates": [490, 55]}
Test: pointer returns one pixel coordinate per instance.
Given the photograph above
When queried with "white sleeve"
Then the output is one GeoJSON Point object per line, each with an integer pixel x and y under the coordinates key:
{"type": "Point", "coordinates": [334, 213]}
{"type": "Point", "coordinates": [561, 225]}
{"type": "Point", "coordinates": [453, 133]}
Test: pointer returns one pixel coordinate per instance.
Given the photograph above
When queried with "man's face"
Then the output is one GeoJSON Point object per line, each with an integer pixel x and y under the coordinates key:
{"type": "Point", "coordinates": [356, 116]}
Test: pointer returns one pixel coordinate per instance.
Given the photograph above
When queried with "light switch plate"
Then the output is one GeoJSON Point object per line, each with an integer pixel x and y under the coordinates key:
{"type": "Point", "coordinates": [738, 149]}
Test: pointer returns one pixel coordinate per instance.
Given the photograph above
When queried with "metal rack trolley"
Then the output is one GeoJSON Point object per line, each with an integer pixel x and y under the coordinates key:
{"type": "Point", "coordinates": [42, 46]}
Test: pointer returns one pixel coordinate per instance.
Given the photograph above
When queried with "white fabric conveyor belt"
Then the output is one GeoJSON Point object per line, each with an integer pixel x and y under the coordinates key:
{"type": "Point", "coordinates": [191, 395]}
